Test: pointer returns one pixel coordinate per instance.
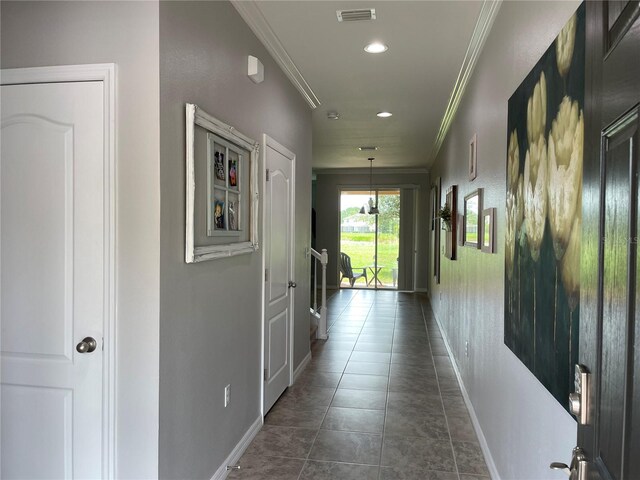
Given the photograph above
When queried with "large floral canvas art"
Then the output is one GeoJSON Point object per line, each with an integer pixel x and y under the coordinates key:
{"type": "Point", "coordinates": [544, 212]}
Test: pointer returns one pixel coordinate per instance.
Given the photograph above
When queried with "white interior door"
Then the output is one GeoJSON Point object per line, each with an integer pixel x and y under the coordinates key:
{"type": "Point", "coordinates": [52, 262]}
{"type": "Point", "coordinates": [279, 284]}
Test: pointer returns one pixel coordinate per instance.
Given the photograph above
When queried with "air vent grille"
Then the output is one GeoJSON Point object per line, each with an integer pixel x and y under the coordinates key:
{"type": "Point", "coordinates": [356, 15]}
{"type": "Point", "coordinates": [367, 148]}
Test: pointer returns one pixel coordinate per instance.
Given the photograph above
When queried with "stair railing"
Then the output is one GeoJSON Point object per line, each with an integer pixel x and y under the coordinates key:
{"type": "Point", "coordinates": [320, 314]}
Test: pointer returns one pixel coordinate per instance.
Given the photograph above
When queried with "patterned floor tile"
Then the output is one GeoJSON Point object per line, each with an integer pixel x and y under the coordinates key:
{"type": "Point", "coordinates": [315, 470]}
{"type": "Point", "coordinates": [354, 420]}
{"type": "Point", "coordinates": [362, 448]}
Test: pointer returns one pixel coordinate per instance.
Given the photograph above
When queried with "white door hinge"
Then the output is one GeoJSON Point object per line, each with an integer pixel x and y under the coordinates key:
{"type": "Point", "coordinates": [267, 174]}
{"type": "Point", "coordinates": [266, 274]}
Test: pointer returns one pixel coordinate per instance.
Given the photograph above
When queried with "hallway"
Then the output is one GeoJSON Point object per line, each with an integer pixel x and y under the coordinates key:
{"type": "Point", "coordinates": [379, 401]}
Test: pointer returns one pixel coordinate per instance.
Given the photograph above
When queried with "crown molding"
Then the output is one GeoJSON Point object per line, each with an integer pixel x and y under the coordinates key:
{"type": "Point", "coordinates": [251, 14]}
{"type": "Point", "coordinates": [487, 15]}
{"type": "Point", "coordinates": [365, 170]}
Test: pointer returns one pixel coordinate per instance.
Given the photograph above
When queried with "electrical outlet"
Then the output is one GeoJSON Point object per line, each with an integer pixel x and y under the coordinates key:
{"type": "Point", "coordinates": [227, 395]}
{"type": "Point", "coordinates": [466, 349]}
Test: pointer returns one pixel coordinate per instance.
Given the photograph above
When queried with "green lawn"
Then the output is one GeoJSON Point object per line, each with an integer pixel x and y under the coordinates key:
{"type": "Point", "coordinates": [360, 247]}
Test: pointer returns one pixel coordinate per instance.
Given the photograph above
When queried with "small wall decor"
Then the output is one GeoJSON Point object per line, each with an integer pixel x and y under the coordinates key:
{"type": "Point", "coordinates": [488, 230]}
{"type": "Point", "coordinates": [445, 215]}
{"type": "Point", "coordinates": [450, 235]}
{"type": "Point", "coordinates": [472, 226]}
{"type": "Point", "coordinates": [460, 229]}
{"type": "Point", "coordinates": [436, 229]}
{"type": "Point", "coordinates": [434, 207]}
{"type": "Point", "coordinates": [221, 190]}
{"type": "Point", "coordinates": [473, 157]}
{"type": "Point", "coordinates": [545, 142]}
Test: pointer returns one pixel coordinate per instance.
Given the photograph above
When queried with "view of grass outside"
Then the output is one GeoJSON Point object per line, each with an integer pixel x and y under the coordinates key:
{"type": "Point", "coordinates": [358, 236]}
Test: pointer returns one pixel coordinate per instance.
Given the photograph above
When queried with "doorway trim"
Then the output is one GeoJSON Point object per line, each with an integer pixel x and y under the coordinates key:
{"type": "Point", "coordinates": [105, 73]}
{"type": "Point", "coordinates": [267, 141]}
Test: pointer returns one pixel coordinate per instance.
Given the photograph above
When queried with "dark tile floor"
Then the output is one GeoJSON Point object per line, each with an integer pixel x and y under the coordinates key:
{"type": "Point", "coordinates": [379, 401]}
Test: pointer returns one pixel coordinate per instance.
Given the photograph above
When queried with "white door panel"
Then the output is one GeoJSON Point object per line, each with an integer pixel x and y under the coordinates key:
{"type": "Point", "coordinates": [45, 277]}
{"type": "Point", "coordinates": [52, 266]}
{"type": "Point", "coordinates": [278, 227]}
{"type": "Point", "coordinates": [47, 411]}
{"type": "Point", "coordinates": [278, 338]}
{"type": "Point", "coordinates": [279, 242]}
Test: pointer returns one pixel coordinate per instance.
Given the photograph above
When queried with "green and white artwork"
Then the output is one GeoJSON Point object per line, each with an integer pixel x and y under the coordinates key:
{"type": "Point", "coordinates": [544, 212]}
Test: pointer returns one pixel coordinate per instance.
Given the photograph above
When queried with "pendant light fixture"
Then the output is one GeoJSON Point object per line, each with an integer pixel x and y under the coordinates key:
{"type": "Point", "coordinates": [373, 209]}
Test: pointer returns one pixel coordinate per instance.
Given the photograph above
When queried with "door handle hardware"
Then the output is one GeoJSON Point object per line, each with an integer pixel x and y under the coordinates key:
{"type": "Point", "coordinates": [563, 467]}
{"type": "Point", "coordinates": [579, 400]}
{"type": "Point", "coordinates": [87, 345]}
{"type": "Point", "coordinates": [292, 284]}
{"type": "Point", "coordinates": [578, 468]}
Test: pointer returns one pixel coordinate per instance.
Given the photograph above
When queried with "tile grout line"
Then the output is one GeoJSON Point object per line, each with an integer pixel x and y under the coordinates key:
{"type": "Point", "coordinates": [386, 403]}
{"type": "Point", "coordinates": [446, 418]}
{"type": "Point", "coordinates": [306, 460]}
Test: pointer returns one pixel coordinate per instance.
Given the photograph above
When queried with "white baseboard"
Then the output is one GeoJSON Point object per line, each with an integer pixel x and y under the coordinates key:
{"type": "Point", "coordinates": [491, 465]}
{"type": "Point", "coordinates": [303, 364]}
{"type": "Point", "coordinates": [239, 449]}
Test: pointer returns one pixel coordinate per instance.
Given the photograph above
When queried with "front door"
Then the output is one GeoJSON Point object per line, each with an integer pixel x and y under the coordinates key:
{"type": "Point", "coordinates": [609, 433]}
{"type": "Point", "coordinates": [52, 295]}
{"type": "Point", "coordinates": [279, 268]}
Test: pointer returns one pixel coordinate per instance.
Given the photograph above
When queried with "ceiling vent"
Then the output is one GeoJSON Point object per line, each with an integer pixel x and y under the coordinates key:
{"type": "Point", "coordinates": [356, 15]}
{"type": "Point", "coordinates": [367, 148]}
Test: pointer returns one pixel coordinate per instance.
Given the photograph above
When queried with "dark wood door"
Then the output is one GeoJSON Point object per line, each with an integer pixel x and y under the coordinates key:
{"type": "Point", "coordinates": [610, 318]}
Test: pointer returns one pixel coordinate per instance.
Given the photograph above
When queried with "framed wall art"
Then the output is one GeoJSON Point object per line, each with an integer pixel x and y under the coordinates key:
{"type": "Point", "coordinates": [488, 230]}
{"type": "Point", "coordinates": [221, 189]}
{"type": "Point", "coordinates": [544, 161]}
{"type": "Point", "coordinates": [436, 228]}
{"type": "Point", "coordinates": [473, 157]}
{"type": "Point", "coordinates": [451, 228]}
{"type": "Point", "coordinates": [472, 226]}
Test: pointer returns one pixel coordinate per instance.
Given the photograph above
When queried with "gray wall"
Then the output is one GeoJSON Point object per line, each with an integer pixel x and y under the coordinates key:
{"type": "Point", "coordinates": [126, 33]}
{"type": "Point", "coordinates": [210, 320]}
{"type": "Point", "coordinates": [328, 187]}
{"type": "Point", "coordinates": [524, 426]}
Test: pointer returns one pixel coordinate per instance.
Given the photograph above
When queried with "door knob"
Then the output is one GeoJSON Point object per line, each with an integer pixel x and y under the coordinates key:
{"type": "Point", "coordinates": [292, 284]}
{"type": "Point", "coordinates": [87, 345]}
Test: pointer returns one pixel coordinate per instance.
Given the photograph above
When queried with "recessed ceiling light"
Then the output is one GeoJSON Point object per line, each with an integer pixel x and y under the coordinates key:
{"type": "Point", "coordinates": [384, 114]}
{"type": "Point", "coordinates": [367, 148]}
{"type": "Point", "coordinates": [376, 47]}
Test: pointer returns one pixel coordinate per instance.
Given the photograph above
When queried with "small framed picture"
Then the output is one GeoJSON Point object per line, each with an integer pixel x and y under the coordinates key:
{"type": "Point", "coordinates": [233, 169]}
{"type": "Point", "coordinates": [488, 230]}
{"type": "Point", "coordinates": [472, 222]}
{"type": "Point", "coordinates": [218, 214]}
{"type": "Point", "coordinates": [451, 235]}
{"type": "Point", "coordinates": [232, 210]}
{"type": "Point", "coordinates": [473, 157]}
{"type": "Point", "coordinates": [218, 156]}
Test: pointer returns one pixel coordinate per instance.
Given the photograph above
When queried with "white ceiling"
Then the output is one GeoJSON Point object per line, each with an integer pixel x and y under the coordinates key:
{"type": "Point", "coordinates": [414, 79]}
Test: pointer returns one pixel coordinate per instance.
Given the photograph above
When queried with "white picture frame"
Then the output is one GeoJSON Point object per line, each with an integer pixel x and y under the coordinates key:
{"type": "Point", "coordinates": [234, 242]}
{"type": "Point", "coordinates": [473, 157]}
